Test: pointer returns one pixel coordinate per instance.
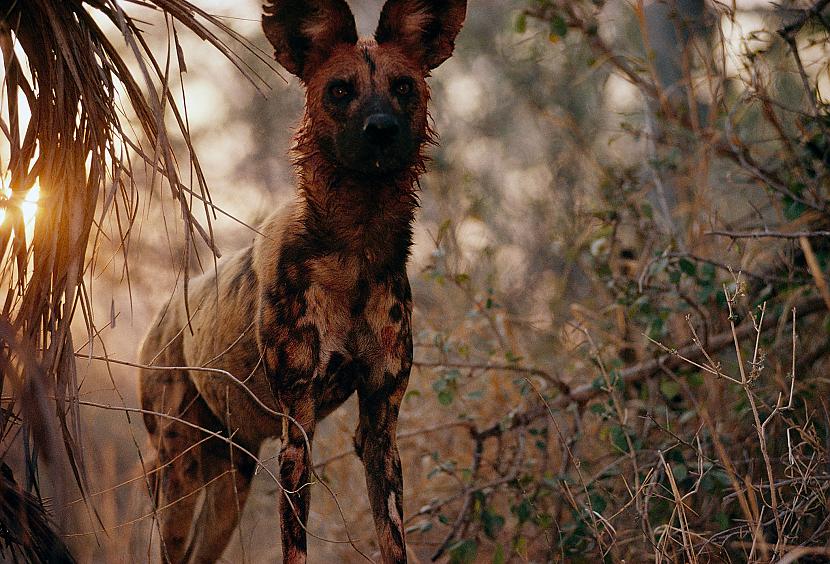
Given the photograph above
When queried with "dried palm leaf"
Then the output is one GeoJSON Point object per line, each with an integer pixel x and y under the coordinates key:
{"type": "Point", "coordinates": [25, 528]}
{"type": "Point", "coordinates": [87, 159]}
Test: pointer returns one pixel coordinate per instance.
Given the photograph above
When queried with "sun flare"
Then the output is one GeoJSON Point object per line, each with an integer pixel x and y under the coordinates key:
{"type": "Point", "coordinates": [28, 205]}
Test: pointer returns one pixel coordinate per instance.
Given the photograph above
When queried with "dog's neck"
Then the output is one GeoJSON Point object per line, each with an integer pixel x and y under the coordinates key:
{"type": "Point", "coordinates": [356, 214]}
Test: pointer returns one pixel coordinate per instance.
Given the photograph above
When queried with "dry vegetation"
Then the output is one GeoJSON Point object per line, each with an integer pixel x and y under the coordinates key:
{"type": "Point", "coordinates": [621, 281]}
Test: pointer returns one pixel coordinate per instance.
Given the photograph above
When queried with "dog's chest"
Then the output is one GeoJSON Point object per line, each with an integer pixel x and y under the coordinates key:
{"type": "Point", "coordinates": [356, 315]}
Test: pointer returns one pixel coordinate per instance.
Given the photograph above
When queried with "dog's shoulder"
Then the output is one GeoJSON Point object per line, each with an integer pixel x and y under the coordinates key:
{"type": "Point", "coordinates": [273, 232]}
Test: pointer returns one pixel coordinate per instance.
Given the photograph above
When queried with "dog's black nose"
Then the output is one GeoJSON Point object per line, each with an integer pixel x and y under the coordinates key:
{"type": "Point", "coordinates": [380, 129]}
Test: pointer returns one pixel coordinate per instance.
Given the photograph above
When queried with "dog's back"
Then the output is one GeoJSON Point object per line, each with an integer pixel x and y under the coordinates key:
{"type": "Point", "coordinates": [220, 334]}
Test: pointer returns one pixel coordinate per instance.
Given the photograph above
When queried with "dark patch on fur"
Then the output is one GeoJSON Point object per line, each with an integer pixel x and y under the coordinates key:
{"type": "Point", "coordinates": [339, 383]}
{"type": "Point", "coordinates": [358, 445]}
{"type": "Point", "coordinates": [361, 298]}
{"type": "Point", "coordinates": [396, 471]}
{"type": "Point", "coordinates": [369, 61]}
{"type": "Point", "coordinates": [336, 362]}
{"type": "Point", "coordinates": [433, 29]}
{"type": "Point", "coordinates": [297, 441]}
{"type": "Point", "coordinates": [286, 465]}
{"type": "Point", "coordinates": [396, 313]}
{"type": "Point", "coordinates": [358, 338]}
{"type": "Point", "coordinates": [150, 423]}
{"type": "Point", "coordinates": [245, 465]}
{"type": "Point", "coordinates": [335, 394]}
{"type": "Point", "coordinates": [397, 534]}
{"type": "Point", "coordinates": [401, 289]}
{"type": "Point", "coordinates": [192, 467]}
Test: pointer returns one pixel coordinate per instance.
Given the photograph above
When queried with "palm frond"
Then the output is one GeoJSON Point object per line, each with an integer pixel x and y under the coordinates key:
{"type": "Point", "coordinates": [88, 160]}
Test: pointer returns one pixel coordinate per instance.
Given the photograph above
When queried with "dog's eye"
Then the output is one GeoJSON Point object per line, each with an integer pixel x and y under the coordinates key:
{"type": "Point", "coordinates": [402, 87]}
{"type": "Point", "coordinates": [340, 91]}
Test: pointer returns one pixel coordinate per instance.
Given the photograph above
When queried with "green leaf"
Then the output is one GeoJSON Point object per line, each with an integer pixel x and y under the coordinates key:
{"type": "Point", "coordinates": [597, 408]}
{"type": "Point", "coordinates": [798, 188]}
{"type": "Point", "coordinates": [544, 520]}
{"type": "Point", "coordinates": [793, 209]}
{"type": "Point", "coordinates": [617, 436]}
{"type": "Point", "coordinates": [520, 23]}
{"type": "Point", "coordinates": [463, 552]}
{"type": "Point", "coordinates": [707, 271]}
{"type": "Point", "coordinates": [687, 267]}
{"type": "Point", "coordinates": [510, 357]}
{"type": "Point", "coordinates": [660, 510]}
{"type": "Point", "coordinates": [498, 555]}
{"type": "Point", "coordinates": [680, 472]}
{"type": "Point", "coordinates": [598, 503]}
{"type": "Point", "coordinates": [446, 386]}
{"type": "Point", "coordinates": [452, 374]}
{"type": "Point", "coordinates": [412, 394]}
{"type": "Point", "coordinates": [520, 546]}
{"type": "Point", "coordinates": [722, 477]}
{"type": "Point", "coordinates": [522, 511]}
{"type": "Point", "coordinates": [670, 388]}
{"type": "Point", "coordinates": [558, 26]}
{"type": "Point", "coordinates": [491, 522]}
{"type": "Point", "coordinates": [659, 266]}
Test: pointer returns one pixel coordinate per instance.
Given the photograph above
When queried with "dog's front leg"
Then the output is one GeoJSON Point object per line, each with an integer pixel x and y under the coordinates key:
{"type": "Point", "coordinates": [291, 359]}
{"type": "Point", "coordinates": [376, 444]}
{"type": "Point", "coordinates": [295, 465]}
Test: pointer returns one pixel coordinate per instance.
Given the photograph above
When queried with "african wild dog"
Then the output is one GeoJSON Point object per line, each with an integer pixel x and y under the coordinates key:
{"type": "Point", "coordinates": [319, 306]}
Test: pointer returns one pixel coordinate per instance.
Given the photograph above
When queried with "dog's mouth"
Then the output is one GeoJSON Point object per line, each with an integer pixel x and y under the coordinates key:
{"type": "Point", "coordinates": [373, 159]}
{"type": "Point", "coordinates": [385, 161]}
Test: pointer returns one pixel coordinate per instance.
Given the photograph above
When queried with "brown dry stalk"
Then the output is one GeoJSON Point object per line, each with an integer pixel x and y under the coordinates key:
{"type": "Point", "coordinates": [815, 269]}
{"type": "Point", "coordinates": [586, 392]}
{"type": "Point", "coordinates": [769, 234]}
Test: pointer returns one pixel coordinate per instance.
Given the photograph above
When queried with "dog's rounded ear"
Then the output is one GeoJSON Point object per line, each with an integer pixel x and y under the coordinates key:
{"type": "Point", "coordinates": [426, 28]}
{"type": "Point", "coordinates": [304, 32]}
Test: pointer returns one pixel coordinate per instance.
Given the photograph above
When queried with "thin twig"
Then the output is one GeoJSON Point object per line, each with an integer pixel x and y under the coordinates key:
{"type": "Point", "coordinates": [768, 234]}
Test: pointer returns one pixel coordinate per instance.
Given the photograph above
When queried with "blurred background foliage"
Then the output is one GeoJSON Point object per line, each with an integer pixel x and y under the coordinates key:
{"type": "Point", "coordinates": [620, 279]}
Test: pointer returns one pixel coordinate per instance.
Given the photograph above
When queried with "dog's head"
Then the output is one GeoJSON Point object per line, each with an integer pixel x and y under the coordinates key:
{"type": "Point", "coordinates": [366, 99]}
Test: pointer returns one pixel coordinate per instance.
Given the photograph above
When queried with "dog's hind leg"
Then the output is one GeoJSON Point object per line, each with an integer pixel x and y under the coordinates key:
{"type": "Point", "coordinates": [179, 436]}
{"type": "Point", "coordinates": [228, 477]}
{"type": "Point", "coordinates": [178, 477]}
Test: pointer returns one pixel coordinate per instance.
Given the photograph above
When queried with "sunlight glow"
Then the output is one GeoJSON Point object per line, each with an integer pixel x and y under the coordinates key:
{"type": "Point", "coordinates": [28, 206]}
{"type": "Point", "coordinates": [4, 195]}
